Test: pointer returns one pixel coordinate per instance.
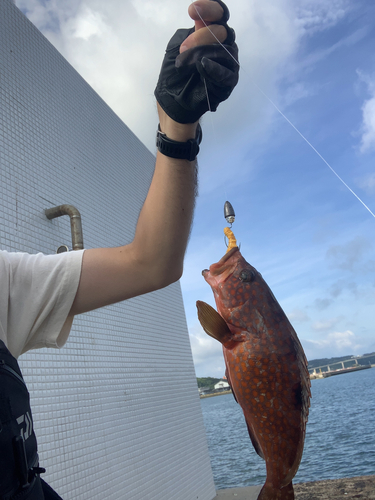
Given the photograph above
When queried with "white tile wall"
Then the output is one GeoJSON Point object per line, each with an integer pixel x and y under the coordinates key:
{"type": "Point", "coordinates": [116, 411]}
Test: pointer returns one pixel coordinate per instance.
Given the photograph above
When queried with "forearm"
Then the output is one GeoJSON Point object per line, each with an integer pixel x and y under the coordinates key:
{"type": "Point", "coordinates": [165, 220]}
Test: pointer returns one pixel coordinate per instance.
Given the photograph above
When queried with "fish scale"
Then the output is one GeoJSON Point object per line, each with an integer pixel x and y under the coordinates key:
{"type": "Point", "coordinates": [265, 366]}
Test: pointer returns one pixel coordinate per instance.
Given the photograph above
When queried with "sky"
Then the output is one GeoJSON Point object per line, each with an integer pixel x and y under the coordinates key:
{"type": "Point", "coordinates": [297, 223]}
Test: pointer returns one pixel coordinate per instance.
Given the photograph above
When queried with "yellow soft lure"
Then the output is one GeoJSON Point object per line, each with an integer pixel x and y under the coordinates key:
{"type": "Point", "coordinates": [231, 238]}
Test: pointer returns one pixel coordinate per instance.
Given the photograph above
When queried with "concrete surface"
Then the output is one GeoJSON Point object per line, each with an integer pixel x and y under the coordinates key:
{"type": "Point", "coordinates": [249, 493]}
{"type": "Point", "coordinates": [362, 488]}
{"type": "Point", "coordinates": [339, 489]}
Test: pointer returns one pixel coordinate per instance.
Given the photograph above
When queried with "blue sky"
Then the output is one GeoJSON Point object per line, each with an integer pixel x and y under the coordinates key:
{"type": "Point", "coordinates": [311, 239]}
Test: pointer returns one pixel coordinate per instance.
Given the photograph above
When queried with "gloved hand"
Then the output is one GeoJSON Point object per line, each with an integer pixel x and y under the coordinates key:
{"type": "Point", "coordinates": [184, 78]}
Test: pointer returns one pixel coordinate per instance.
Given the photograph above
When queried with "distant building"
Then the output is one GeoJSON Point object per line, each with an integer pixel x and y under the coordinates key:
{"type": "Point", "coordinates": [223, 384]}
{"type": "Point", "coordinates": [203, 390]}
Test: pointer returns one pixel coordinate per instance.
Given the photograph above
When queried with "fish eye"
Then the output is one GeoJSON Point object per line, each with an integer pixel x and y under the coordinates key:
{"type": "Point", "coordinates": [246, 275]}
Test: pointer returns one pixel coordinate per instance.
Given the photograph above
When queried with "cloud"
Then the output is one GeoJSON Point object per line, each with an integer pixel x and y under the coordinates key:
{"type": "Point", "coordinates": [322, 303]}
{"type": "Point", "coordinates": [367, 183]}
{"type": "Point", "coordinates": [335, 344]}
{"type": "Point", "coordinates": [155, 11]}
{"type": "Point", "coordinates": [297, 316]}
{"type": "Point", "coordinates": [207, 353]}
{"type": "Point", "coordinates": [342, 340]}
{"type": "Point", "coordinates": [368, 126]}
{"type": "Point", "coordinates": [318, 15]}
{"type": "Point", "coordinates": [339, 286]}
{"type": "Point", "coordinates": [368, 114]}
{"type": "Point", "coordinates": [298, 91]}
{"type": "Point", "coordinates": [87, 24]}
{"type": "Point", "coordinates": [349, 255]}
{"type": "Point", "coordinates": [312, 59]}
{"type": "Point", "coordinates": [325, 325]}
{"type": "Point", "coordinates": [48, 16]}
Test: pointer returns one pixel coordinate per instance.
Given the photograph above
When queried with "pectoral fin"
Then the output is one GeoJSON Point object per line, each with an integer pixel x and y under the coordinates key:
{"type": "Point", "coordinates": [255, 443]}
{"type": "Point", "coordinates": [230, 384]}
{"type": "Point", "coordinates": [213, 324]}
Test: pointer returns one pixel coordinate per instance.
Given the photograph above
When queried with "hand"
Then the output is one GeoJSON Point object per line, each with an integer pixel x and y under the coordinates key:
{"type": "Point", "coordinates": [197, 72]}
{"type": "Point", "coordinates": [215, 15]}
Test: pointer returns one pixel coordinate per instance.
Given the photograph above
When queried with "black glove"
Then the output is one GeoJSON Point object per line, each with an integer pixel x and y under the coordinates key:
{"type": "Point", "coordinates": [181, 89]}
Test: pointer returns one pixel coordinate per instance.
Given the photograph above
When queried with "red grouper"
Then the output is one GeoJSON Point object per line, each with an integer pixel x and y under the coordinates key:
{"type": "Point", "coordinates": [265, 366]}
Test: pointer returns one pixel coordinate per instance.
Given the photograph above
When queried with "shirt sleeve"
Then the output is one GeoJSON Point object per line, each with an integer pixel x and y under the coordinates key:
{"type": "Point", "coordinates": [42, 289]}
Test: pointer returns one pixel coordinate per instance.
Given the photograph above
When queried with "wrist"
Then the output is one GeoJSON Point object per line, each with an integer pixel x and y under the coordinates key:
{"type": "Point", "coordinates": [182, 150]}
{"type": "Point", "coordinates": [180, 132]}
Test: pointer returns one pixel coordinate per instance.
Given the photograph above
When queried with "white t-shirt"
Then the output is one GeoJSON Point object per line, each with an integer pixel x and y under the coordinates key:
{"type": "Point", "coordinates": [36, 295]}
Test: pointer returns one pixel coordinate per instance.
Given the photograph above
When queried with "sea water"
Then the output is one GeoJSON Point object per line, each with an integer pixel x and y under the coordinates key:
{"type": "Point", "coordinates": [340, 435]}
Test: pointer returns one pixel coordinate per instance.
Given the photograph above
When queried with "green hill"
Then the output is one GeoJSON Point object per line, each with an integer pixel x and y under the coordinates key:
{"type": "Point", "coordinates": [207, 382]}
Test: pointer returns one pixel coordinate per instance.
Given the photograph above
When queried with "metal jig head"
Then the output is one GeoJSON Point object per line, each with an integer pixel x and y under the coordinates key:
{"type": "Point", "coordinates": [229, 213]}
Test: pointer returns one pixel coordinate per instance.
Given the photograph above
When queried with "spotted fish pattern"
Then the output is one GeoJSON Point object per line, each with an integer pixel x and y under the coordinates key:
{"type": "Point", "coordinates": [265, 366]}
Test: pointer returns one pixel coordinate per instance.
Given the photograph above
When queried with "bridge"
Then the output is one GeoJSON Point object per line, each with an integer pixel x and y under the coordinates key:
{"type": "Point", "coordinates": [367, 359]}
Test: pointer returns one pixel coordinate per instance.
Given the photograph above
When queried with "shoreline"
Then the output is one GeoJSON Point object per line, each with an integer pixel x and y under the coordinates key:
{"type": "Point", "coordinates": [215, 394]}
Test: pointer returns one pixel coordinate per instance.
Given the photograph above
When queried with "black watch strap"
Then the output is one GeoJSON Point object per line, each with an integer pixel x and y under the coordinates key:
{"type": "Point", "coordinates": [181, 150]}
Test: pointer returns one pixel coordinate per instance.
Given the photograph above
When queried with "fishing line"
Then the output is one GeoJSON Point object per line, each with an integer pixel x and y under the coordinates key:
{"type": "Point", "coordinates": [210, 109]}
{"type": "Point", "coordinates": [282, 114]}
{"type": "Point", "coordinates": [208, 100]}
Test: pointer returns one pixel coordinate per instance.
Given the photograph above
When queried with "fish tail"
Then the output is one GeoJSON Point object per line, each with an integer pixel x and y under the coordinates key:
{"type": "Point", "coordinates": [270, 492]}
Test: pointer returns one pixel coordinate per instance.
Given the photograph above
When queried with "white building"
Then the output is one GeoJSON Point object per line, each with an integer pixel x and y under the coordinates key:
{"type": "Point", "coordinates": [110, 416]}
{"type": "Point", "coordinates": [223, 384]}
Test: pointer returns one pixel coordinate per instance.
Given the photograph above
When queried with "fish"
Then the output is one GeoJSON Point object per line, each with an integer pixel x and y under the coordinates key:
{"type": "Point", "coordinates": [266, 367]}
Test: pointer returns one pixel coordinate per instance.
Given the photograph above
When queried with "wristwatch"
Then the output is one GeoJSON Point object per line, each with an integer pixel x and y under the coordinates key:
{"type": "Point", "coordinates": [181, 150]}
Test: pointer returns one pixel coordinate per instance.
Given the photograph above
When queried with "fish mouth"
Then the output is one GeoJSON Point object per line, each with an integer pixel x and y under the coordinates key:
{"type": "Point", "coordinates": [228, 255]}
{"type": "Point", "coordinates": [221, 265]}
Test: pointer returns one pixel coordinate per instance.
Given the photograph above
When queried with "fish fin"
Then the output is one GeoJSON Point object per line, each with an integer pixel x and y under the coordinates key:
{"type": "Point", "coordinates": [255, 443]}
{"type": "Point", "coordinates": [305, 376]}
{"type": "Point", "coordinates": [213, 324]}
{"type": "Point", "coordinates": [230, 384]}
{"type": "Point", "coordinates": [271, 492]}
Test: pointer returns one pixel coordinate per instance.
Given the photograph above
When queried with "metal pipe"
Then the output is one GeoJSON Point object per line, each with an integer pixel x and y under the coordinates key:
{"type": "Point", "coordinates": [75, 222]}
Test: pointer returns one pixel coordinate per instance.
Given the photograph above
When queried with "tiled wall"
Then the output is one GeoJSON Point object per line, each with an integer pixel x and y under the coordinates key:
{"type": "Point", "coordinates": [116, 411]}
